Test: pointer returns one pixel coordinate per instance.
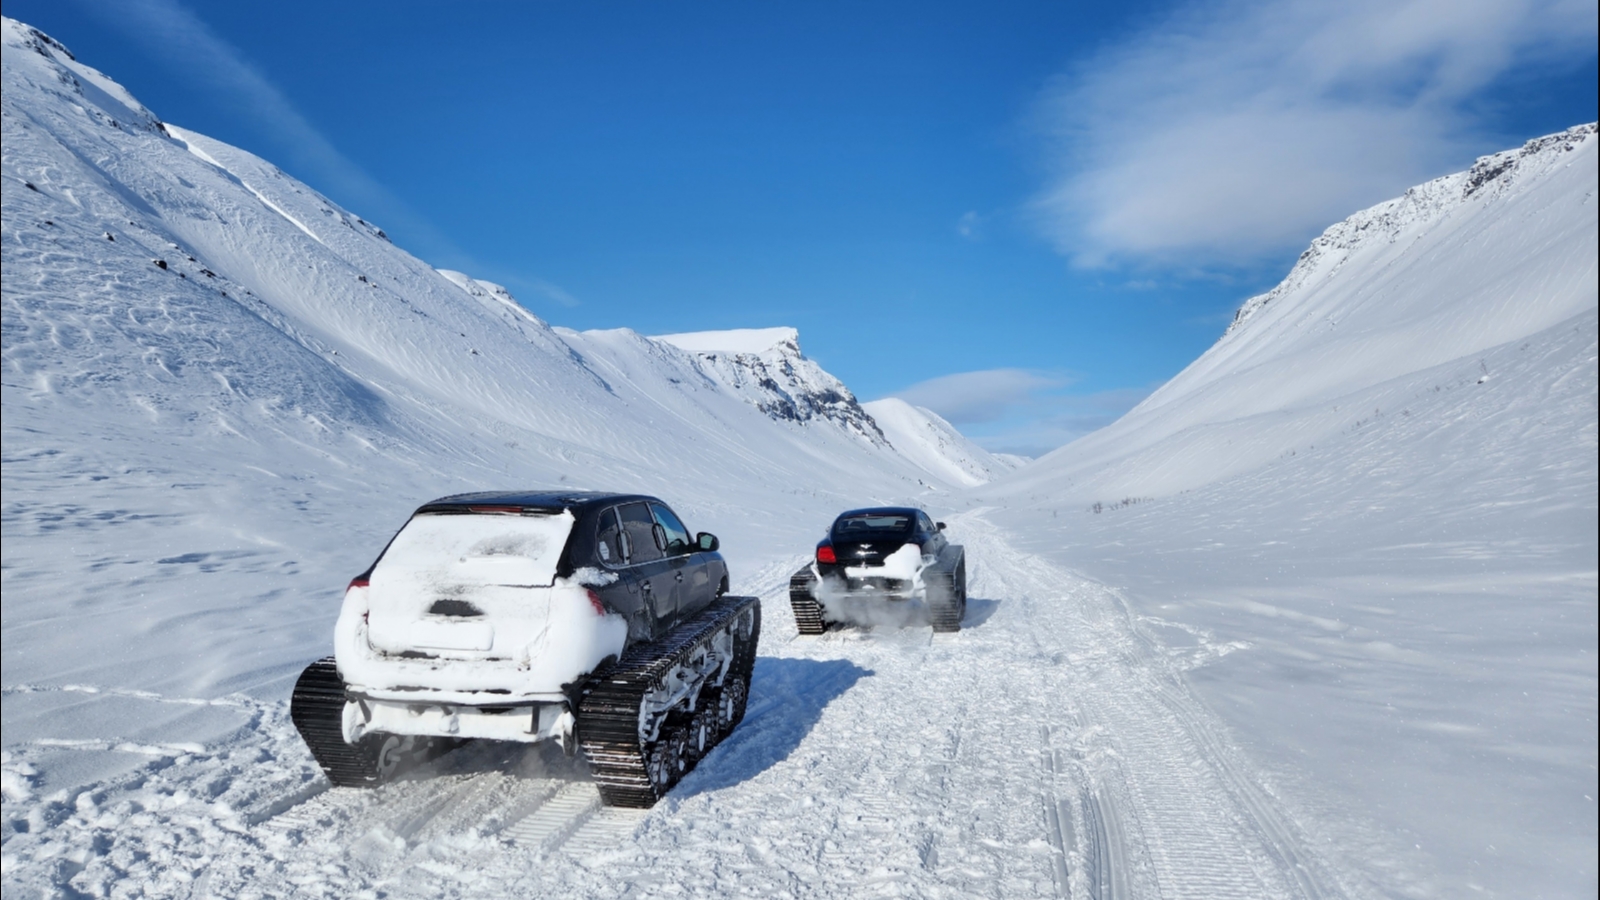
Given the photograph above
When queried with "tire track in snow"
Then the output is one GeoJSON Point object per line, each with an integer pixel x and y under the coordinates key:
{"type": "Point", "coordinates": [1165, 807]}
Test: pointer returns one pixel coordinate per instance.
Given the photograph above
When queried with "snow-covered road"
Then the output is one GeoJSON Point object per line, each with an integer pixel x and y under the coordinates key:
{"type": "Point", "coordinates": [1050, 749]}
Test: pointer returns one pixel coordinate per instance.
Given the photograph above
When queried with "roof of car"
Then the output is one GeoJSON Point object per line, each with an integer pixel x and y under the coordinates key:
{"type": "Point", "coordinates": [881, 511]}
{"type": "Point", "coordinates": [553, 501]}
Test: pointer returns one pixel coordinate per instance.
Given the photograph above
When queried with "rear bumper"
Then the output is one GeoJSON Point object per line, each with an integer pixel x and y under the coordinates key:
{"type": "Point", "coordinates": [834, 583]}
{"type": "Point", "coordinates": [523, 722]}
{"type": "Point", "coordinates": [886, 588]}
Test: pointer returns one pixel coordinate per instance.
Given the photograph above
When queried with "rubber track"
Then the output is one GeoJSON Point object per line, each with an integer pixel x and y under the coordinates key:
{"type": "Point", "coordinates": [807, 611]}
{"type": "Point", "coordinates": [946, 615]}
{"type": "Point", "coordinates": [317, 709]}
{"type": "Point", "coordinates": [608, 717]}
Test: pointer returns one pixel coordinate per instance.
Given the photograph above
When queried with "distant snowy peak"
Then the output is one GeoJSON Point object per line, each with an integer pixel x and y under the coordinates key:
{"type": "Point", "coordinates": [765, 367]}
{"type": "Point", "coordinates": [926, 439]}
{"type": "Point", "coordinates": [1490, 177]}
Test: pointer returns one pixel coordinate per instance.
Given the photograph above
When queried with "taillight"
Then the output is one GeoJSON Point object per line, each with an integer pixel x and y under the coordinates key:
{"type": "Point", "coordinates": [825, 554]}
{"type": "Point", "coordinates": [496, 510]}
{"type": "Point", "coordinates": [594, 601]}
{"type": "Point", "coordinates": [359, 581]}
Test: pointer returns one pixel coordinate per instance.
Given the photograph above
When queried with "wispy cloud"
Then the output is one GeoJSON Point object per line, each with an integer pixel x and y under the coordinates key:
{"type": "Point", "coordinates": [1237, 129]}
{"type": "Point", "coordinates": [1055, 420]}
{"type": "Point", "coordinates": [971, 397]}
{"type": "Point", "coordinates": [970, 225]}
{"type": "Point", "coordinates": [553, 292]}
{"type": "Point", "coordinates": [1020, 411]}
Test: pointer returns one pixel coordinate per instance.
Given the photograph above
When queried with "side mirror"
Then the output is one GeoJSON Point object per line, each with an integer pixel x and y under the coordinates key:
{"type": "Point", "coordinates": [707, 541]}
{"type": "Point", "coordinates": [940, 524]}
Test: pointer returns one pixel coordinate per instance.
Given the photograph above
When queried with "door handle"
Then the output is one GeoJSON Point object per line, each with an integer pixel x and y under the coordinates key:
{"type": "Point", "coordinates": [678, 576]}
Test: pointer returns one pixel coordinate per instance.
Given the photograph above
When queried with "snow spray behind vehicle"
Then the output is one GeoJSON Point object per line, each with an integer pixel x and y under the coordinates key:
{"type": "Point", "coordinates": [878, 566]}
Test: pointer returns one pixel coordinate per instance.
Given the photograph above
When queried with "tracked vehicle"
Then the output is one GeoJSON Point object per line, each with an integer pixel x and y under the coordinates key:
{"type": "Point", "coordinates": [875, 563]}
{"type": "Point", "coordinates": [593, 620]}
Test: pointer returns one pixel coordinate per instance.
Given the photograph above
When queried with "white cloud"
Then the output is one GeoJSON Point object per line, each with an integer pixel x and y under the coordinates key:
{"type": "Point", "coordinates": [969, 225]}
{"type": "Point", "coordinates": [983, 396]}
{"type": "Point", "coordinates": [1238, 129]}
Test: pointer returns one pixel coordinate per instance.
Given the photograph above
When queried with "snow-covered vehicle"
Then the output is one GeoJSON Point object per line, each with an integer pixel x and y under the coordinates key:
{"type": "Point", "coordinates": [594, 620]}
{"type": "Point", "coordinates": [876, 559]}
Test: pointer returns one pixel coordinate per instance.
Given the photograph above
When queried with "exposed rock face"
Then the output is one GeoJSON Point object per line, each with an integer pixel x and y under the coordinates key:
{"type": "Point", "coordinates": [777, 379]}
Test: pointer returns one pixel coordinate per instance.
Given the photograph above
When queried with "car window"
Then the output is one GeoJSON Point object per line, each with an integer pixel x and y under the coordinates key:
{"type": "Point", "coordinates": [608, 541]}
{"type": "Point", "coordinates": [677, 535]}
{"type": "Point", "coordinates": [639, 527]}
{"type": "Point", "coordinates": [924, 523]}
{"type": "Point", "coordinates": [866, 525]}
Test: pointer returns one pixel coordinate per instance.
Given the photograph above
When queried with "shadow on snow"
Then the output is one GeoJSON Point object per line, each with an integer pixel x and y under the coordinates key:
{"type": "Point", "coordinates": [978, 612]}
{"type": "Point", "coordinates": [787, 697]}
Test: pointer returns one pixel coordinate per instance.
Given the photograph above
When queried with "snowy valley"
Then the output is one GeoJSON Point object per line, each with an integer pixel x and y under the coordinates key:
{"type": "Point", "coordinates": [1316, 620]}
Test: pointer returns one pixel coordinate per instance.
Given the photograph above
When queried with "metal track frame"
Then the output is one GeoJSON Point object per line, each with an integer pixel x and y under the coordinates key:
{"type": "Point", "coordinates": [620, 724]}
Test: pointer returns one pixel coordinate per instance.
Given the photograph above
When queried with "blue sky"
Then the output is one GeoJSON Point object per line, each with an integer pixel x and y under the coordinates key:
{"type": "Point", "coordinates": [1025, 216]}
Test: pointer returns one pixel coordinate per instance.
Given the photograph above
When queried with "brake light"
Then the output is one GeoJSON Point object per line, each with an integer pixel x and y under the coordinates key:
{"type": "Point", "coordinates": [359, 581]}
{"type": "Point", "coordinates": [496, 510]}
{"type": "Point", "coordinates": [594, 601]}
{"type": "Point", "coordinates": [825, 554]}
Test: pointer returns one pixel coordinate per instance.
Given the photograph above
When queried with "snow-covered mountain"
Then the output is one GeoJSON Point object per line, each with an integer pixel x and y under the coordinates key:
{"type": "Point", "coordinates": [925, 438]}
{"type": "Point", "coordinates": [1465, 263]}
{"type": "Point", "coordinates": [766, 368]}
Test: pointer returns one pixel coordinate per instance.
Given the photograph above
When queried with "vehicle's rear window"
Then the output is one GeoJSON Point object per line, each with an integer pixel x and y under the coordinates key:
{"type": "Point", "coordinates": [867, 524]}
{"type": "Point", "coordinates": [434, 550]}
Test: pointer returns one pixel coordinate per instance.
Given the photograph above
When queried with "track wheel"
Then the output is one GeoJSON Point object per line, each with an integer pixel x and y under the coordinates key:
{"type": "Point", "coordinates": [702, 734]}
{"type": "Point", "coordinates": [668, 759]}
{"type": "Point", "coordinates": [730, 705]}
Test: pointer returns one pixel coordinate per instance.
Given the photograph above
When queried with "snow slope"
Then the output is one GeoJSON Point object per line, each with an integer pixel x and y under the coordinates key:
{"type": "Point", "coordinates": [928, 440]}
{"type": "Point", "coordinates": [1373, 503]}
